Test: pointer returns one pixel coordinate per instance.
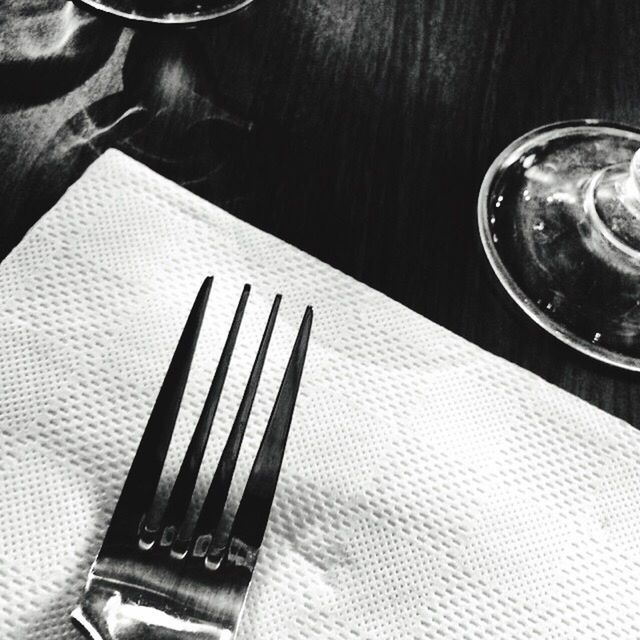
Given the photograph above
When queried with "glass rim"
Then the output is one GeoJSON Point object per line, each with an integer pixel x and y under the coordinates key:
{"type": "Point", "coordinates": [170, 19]}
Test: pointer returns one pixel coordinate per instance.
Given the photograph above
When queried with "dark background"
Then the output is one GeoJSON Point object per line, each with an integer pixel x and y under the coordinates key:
{"type": "Point", "coordinates": [358, 130]}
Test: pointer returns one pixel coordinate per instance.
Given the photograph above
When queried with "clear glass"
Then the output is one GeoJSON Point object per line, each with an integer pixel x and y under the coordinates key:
{"type": "Point", "coordinates": [559, 218]}
{"type": "Point", "coordinates": [169, 12]}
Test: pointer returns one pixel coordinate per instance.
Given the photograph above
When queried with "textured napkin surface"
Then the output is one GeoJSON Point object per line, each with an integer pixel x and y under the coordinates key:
{"type": "Point", "coordinates": [429, 489]}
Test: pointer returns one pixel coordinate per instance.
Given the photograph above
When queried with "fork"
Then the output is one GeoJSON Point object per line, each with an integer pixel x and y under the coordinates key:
{"type": "Point", "coordinates": [158, 577]}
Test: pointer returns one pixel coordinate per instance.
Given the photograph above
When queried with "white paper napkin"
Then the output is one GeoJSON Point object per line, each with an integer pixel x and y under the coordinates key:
{"type": "Point", "coordinates": [429, 489]}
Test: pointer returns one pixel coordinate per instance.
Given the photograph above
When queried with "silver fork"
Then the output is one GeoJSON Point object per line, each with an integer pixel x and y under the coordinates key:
{"type": "Point", "coordinates": [155, 576]}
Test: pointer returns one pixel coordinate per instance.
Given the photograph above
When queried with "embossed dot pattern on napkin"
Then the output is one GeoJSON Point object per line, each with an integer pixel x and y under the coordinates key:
{"type": "Point", "coordinates": [429, 489]}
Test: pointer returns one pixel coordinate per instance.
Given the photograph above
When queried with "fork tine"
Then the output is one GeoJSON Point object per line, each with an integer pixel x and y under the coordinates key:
{"type": "Point", "coordinates": [142, 480]}
{"type": "Point", "coordinates": [251, 518]}
{"type": "Point", "coordinates": [187, 476]}
{"type": "Point", "coordinates": [213, 505]}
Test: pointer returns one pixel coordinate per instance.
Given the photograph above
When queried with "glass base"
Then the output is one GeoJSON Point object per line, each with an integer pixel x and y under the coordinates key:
{"type": "Point", "coordinates": [562, 238]}
{"type": "Point", "coordinates": [167, 12]}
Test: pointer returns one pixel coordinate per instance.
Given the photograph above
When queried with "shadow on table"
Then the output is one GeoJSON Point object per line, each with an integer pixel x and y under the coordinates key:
{"type": "Point", "coordinates": [48, 48]}
{"type": "Point", "coordinates": [168, 115]}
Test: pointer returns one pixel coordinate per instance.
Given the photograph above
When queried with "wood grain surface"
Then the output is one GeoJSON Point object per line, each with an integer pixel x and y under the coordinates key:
{"type": "Point", "coordinates": [358, 130]}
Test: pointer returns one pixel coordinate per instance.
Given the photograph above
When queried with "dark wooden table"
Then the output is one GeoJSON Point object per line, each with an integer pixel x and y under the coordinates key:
{"type": "Point", "coordinates": [358, 130]}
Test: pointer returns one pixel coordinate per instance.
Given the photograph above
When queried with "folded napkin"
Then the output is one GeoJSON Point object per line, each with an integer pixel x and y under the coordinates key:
{"type": "Point", "coordinates": [429, 489]}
